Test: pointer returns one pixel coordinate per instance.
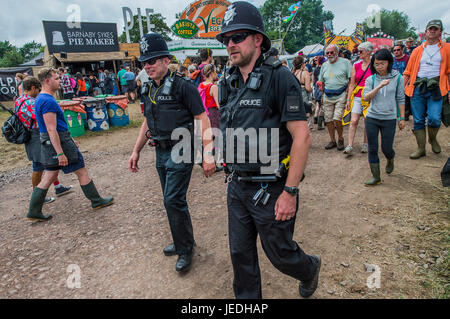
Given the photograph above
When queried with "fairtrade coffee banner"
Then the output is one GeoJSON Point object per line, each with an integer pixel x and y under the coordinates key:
{"type": "Point", "coordinates": [8, 89]}
{"type": "Point", "coordinates": [90, 37]}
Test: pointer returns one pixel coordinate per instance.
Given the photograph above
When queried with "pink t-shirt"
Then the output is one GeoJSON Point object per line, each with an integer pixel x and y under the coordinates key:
{"type": "Point", "coordinates": [359, 73]}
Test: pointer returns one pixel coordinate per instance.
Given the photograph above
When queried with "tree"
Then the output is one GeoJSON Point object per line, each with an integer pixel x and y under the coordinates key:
{"type": "Point", "coordinates": [5, 46]}
{"type": "Point", "coordinates": [306, 28]}
{"type": "Point", "coordinates": [30, 50]}
{"type": "Point", "coordinates": [11, 58]}
{"type": "Point", "coordinates": [159, 27]}
{"type": "Point", "coordinates": [393, 23]}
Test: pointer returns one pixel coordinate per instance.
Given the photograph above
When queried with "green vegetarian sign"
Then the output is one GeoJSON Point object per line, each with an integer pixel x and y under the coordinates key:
{"type": "Point", "coordinates": [185, 28]}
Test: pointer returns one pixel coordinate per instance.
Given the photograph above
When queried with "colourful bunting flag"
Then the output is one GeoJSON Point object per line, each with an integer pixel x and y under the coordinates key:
{"type": "Point", "coordinates": [293, 9]}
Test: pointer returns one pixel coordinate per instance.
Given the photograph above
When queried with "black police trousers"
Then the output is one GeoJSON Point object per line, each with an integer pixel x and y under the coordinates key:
{"type": "Point", "coordinates": [245, 222]}
{"type": "Point", "coordinates": [175, 178]}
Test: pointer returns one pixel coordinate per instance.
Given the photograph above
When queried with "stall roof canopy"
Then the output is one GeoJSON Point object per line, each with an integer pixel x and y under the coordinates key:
{"type": "Point", "coordinates": [311, 49]}
{"type": "Point", "coordinates": [92, 56]}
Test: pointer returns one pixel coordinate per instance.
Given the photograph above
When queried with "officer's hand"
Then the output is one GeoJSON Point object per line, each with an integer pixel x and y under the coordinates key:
{"type": "Point", "coordinates": [209, 168]}
{"type": "Point", "coordinates": [285, 207]}
{"type": "Point", "coordinates": [133, 162]}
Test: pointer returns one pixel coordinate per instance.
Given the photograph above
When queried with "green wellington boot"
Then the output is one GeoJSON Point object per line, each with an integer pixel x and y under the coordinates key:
{"type": "Point", "coordinates": [91, 193]}
{"type": "Point", "coordinates": [390, 166]}
{"type": "Point", "coordinates": [432, 132]}
{"type": "Point", "coordinates": [36, 203]}
{"type": "Point", "coordinates": [421, 136]}
{"type": "Point", "coordinates": [375, 180]}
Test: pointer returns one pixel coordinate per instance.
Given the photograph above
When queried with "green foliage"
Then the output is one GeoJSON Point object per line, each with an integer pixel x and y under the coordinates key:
{"type": "Point", "coordinates": [30, 50]}
{"type": "Point", "coordinates": [306, 28]}
{"type": "Point", "coordinates": [5, 46]}
{"type": "Point", "coordinates": [393, 23]}
{"type": "Point", "coordinates": [11, 58]}
{"type": "Point", "coordinates": [159, 27]}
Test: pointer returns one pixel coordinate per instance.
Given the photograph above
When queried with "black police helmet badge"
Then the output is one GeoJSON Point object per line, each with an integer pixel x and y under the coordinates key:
{"type": "Point", "coordinates": [242, 15]}
{"type": "Point", "coordinates": [152, 45]}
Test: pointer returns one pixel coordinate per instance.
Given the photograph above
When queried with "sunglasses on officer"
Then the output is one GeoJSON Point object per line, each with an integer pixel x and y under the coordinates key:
{"type": "Point", "coordinates": [153, 60]}
{"type": "Point", "coordinates": [237, 37]}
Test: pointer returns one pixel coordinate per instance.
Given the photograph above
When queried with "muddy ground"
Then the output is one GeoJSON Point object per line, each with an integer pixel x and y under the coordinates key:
{"type": "Point", "coordinates": [400, 226]}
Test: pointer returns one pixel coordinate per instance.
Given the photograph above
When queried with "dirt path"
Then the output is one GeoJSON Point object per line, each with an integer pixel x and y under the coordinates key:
{"type": "Point", "coordinates": [398, 226]}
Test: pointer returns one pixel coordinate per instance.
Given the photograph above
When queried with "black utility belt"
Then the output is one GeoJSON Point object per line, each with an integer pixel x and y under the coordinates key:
{"type": "Point", "coordinates": [256, 177]}
{"type": "Point", "coordinates": [165, 144]}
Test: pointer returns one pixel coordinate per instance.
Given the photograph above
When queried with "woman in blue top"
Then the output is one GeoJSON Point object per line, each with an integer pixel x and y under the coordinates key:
{"type": "Point", "coordinates": [386, 92]}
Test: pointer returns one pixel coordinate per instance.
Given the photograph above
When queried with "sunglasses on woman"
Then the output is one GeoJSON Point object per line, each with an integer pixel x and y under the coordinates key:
{"type": "Point", "coordinates": [237, 37]}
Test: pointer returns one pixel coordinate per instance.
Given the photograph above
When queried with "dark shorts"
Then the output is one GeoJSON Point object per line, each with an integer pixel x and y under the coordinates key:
{"type": "Point", "coordinates": [124, 88]}
{"type": "Point", "coordinates": [130, 85]}
{"type": "Point", "coordinates": [71, 167]}
{"type": "Point", "coordinates": [38, 167]}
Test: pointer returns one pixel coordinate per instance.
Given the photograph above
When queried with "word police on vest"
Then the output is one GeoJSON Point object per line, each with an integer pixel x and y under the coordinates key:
{"type": "Point", "coordinates": [165, 98]}
{"type": "Point", "coordinates": [229, 309]}
{"type": "Point", "coordinates": [251, 102]}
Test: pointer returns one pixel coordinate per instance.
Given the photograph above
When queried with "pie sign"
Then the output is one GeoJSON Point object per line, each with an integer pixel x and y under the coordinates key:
{"type": "Point", "coordinates": [185, 28]}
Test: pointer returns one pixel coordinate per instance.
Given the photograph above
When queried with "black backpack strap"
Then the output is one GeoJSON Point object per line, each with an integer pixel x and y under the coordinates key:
{"type": "Point", "coordinates": [6, 109]}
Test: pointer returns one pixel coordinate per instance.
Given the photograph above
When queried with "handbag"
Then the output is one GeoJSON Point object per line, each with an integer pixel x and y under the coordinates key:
{"type": "Point", "coordinates": [49, 157]}
{"type": "Point", "coordinates": [13, 129]}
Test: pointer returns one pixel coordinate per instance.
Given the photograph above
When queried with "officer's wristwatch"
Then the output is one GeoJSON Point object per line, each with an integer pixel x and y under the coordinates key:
{"type": "Point", "coordinates": [291, 190]}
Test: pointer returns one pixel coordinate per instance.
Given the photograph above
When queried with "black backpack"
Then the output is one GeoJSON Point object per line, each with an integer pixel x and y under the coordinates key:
{"type": "Point", "coordinates": [13, 129]}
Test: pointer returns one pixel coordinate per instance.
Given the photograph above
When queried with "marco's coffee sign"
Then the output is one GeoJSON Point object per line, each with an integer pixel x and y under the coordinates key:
{"type": "Point", "coordinates": [185, 28]}
{"type": "Point", "coordinates": [90, 37]}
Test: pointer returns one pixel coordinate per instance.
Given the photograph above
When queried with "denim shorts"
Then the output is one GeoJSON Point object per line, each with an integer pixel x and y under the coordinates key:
{"type": "Point", "coordinates": [71, 167]}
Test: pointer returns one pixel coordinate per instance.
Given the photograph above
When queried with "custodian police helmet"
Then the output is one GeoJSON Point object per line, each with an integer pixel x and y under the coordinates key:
{"type": "Point", "coordinates": [152, 45]}
{"type": "Point", "coordinates": [242, 15]}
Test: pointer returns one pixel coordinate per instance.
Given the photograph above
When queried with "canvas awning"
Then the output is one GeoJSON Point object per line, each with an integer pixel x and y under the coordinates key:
{"type": "Point", "coordinates": [92, 56]}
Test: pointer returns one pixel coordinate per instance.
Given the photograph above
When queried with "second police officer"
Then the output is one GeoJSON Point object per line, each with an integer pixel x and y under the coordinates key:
{"type": "Point", "coordinates": [260, 95]}
{"type": "Point", "coordinates": [170, 102]}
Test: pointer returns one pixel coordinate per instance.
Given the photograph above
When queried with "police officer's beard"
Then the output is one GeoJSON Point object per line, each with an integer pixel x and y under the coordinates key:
{"type": "Point", "coordinates": [246, 59]}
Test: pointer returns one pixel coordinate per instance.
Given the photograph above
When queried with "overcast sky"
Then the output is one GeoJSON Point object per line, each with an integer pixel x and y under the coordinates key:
{"type": "Point", "coordinates": [21, 21]}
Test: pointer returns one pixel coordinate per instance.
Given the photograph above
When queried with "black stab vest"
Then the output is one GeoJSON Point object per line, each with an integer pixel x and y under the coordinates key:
{"type": "Point", "coordinates": [168, 113]}
{"type": "Point", "coordinates": [248, 109]}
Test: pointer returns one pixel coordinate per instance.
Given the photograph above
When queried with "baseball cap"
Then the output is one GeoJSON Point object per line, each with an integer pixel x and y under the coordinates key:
{"type": "Point", "coordinates": [435, 23]}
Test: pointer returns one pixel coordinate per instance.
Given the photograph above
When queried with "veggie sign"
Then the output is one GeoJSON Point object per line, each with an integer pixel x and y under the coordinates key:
{"type": "Point", "coordinates": [207, 15]}
{"type": "Point", "coordinates": [185, 28]}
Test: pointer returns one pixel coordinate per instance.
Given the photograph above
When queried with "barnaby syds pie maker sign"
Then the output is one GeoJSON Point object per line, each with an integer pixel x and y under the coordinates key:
{"type": "Point", "coordinates": [90, 37]}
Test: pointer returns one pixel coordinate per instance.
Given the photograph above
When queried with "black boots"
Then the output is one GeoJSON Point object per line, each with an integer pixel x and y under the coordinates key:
{"type": "Point", "coordinates": [307, 288]}
{"type": "Point", "coordinates": [91, 193]}
{"type": "Point", "coordinates": [170, 250]}
{"type": "Point", "coordinates": [184, 262]}
{"type": "Point", "coordinates": [36, 202]}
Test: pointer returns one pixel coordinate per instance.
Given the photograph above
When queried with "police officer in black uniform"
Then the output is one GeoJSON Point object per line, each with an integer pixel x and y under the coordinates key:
{"type": "Point", "coordinates": [260, 95]}
{"type": "Point", "coordinates": [170, 103]}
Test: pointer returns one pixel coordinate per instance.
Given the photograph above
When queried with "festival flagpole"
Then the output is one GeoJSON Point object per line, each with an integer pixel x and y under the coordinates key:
{"type": "Point", "coordinates": [289, 26]}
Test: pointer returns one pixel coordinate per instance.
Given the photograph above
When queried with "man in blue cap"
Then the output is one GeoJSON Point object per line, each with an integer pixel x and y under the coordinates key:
{"type": "Point", "coordinates": [170, 106]}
